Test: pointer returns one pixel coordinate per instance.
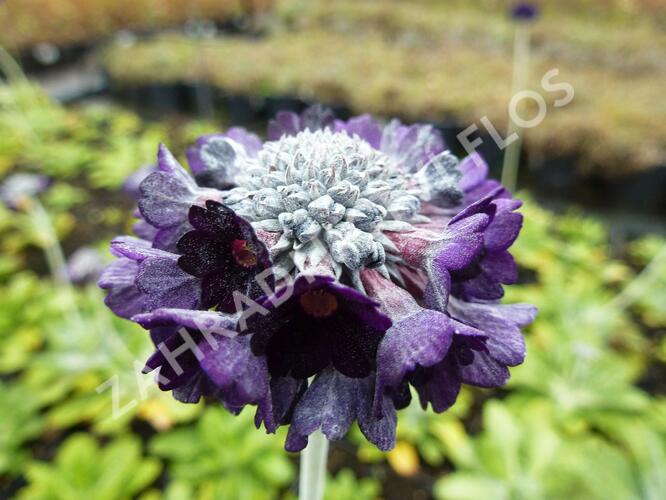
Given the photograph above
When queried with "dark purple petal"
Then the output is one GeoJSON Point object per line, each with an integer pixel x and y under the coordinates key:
{"type": "Point", "coordinates": [422, 339]}
{"type": "Point", "coordinates": [85, 265]}
{"type": "Point", "coordinates": [317, 117]}
{"type": "Point", "coordinates": [378, 427]}
{"type": "Point", "coordinates": [175, 329]}
{"type": "Point", "coordinates": [168, 193]}
{"type": "Point", "coordinates": [329, 404]}
{"type": "Point", "coordinates": [192, 390]}
{"type": "Point", "coordinates": [484, 371]}
{"type": "Point", "coordinates": [479, 287]}
{"type": "Point", "coordinates": [123, 298]}
{"type": "Point", "coordinates": [224, 251]}
{"type": "Point", "coordinates": [132, 184]}
{"type": "Point", "coordinates": [277, 407]}
{"type": "Point", "coordinates": [167, 238]}
{"type": "Point", "coordinates": [217, 159]}
{"type": "Point", "coordinates": [505, 227]}
{"type": "Point", "coordinates": [250, 141]}
{"type": "Point", "coordinates": [461, 243]}
{"type": "Point", "coordinates": [500, 265]}
{"type": "Point", "coordinates": [166, 285]}
{"type": "Point", "coordinates": [440, 386]}
{"type": "Point", "coordinates": [493, 266]}
{"type": "Point", "coordinates": [145, 231]}
{"type": "Point", "coordinates": [418, 337]}
{"type": "Point", "coordinates": [284, 123]}
{"type": "Point", "coordinates": [438, 287]}
{"type": "Point", "coordinates": [364, 126]}
{"type": "Point", "coordinates": [241, 377]}
{"type": "Point", "coordinates": [136, 249]}
{"type": "Point", "coordinates": [412, 146]}
{"type": "Point", "coordinates": [211, 321]}
{"type": "Point", "coordinates": [321, 323]}
{"type": "Point", "coordinates": [524, 12]}
{"type": "Point", "coordinates": [474, 170]}
{"type": "Point", "coordinates": [332, 403]}
{"type": "Point", "coordinates": [501, 324]}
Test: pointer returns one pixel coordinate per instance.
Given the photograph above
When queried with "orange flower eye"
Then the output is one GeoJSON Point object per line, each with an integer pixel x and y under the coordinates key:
{"type": "Point", "coordinates": [318, 303]}
{"type": "Point", "coordinates": [243, 253]}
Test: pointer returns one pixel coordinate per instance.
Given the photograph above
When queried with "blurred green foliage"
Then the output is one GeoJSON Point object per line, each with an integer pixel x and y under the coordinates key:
{"type": "Point", "coordinates": [82, 470]}
{"type": "Point", "coordinates": [581, 418]}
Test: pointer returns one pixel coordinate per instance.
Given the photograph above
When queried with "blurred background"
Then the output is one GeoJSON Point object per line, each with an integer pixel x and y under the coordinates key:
{"type": "Point", "coordinates": [90, 88]}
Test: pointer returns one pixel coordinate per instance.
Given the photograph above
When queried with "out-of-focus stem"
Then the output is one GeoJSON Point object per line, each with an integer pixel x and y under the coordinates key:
{"type": "Point", "coordinates": [639, 285]}
{"type": "Point", "coordinates": [521, 58]}
{"type": "Point", "coordinates": [313, 468]}
{"type": "Point", "coordinates": [10, 67]}
{"type": "Point", "coordinates": [55, 258]}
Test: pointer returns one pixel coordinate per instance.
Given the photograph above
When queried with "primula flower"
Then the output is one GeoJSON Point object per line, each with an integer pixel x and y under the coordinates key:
{"type": "Point", "coordinates": [17, 190]}
{"type": "Point", "coordinates": [85, 265]}
{"type": "Point", "coordinates": [321, 274]}
{"type": "Point", "coordinates": [524, 12]}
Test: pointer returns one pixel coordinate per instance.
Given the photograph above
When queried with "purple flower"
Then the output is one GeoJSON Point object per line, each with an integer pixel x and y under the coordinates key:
{"type": "Point", "coordinates": [216, 159]}
{"type": "Point", "coordinates": [322, 329]}
{"type": "Point", "coordinates": [321, 324]}
{"type": "Point", "coordinates": [346, 261]}
{"type": "Point", "coordinates": [145, 278]}
{"type": "Point", "coordinates": [224, 252]}
{"type": "Point", "coordinates": [524, 12]}
{"type": "Point", "coordinates": [287, 123]}
{"type": "Point", "coordinates": [198, 354]}
{"type": "Point", "coordinates": [166, 197]}
{"type": "Point", "coordinates": [17, 189]}
{"type": "Point", "coordinates": [132, 184]}
{"type": "Point", "coordinates": [85, 265]}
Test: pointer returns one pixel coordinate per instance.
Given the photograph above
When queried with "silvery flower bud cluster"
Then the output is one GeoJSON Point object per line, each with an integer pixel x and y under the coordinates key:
{"type": "Point", "coordinates": [337, 189]}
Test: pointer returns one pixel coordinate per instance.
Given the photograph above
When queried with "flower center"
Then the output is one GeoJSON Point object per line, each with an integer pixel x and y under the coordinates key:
{"type": "Point", "coordinates": [327, 188]}
{"type": "Point", "coordinates": [243, 253]}
{"type": "Point", "coordinates": [319, 303]}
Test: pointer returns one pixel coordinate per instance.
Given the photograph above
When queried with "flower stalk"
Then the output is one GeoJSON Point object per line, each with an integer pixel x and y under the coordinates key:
{"type": "Point", "coordinates": [521, 57]}
{"type": "Point", "coordinates": [55, 258]}
{"type": "Point", "coordinates": [313, 468]}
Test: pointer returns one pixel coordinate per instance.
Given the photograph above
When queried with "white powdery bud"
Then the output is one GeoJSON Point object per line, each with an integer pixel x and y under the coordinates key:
{"type": "Point", "coordinates": [326, 211]}
{"type": "Point", "coordinates": [268, 203]}
{"type": "Point", "coordinates": [345, 193]}
{"type": "Point", "coordinates": [218, 153]}
{"type": "Point", "coordinates": [404, 206]}
{"type": "Point", "coordinates": [327, 190]}
{"type": "Point", "coordinates": [354, 248]}
{"type": "Point", "coordinates": [299, 225]}
{"type": "Point", "coordinates": [438, 181]}
{"type": "Point", "coordinates": [365, 215]}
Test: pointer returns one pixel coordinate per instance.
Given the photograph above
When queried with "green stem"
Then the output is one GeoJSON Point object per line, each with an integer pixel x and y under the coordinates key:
{"type": "Point", "coordinates": [313, 468]}
{"type": "Point", "coordinates": [55, 258]}
{"type": "Point", "coordinates": [521, 57]}
{"type": "Point", "coordinates": [11, 68]}
{"type": "Point", "coordinates": [639, 285]}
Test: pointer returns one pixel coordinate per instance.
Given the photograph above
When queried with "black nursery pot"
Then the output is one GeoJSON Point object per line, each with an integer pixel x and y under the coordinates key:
{"type": "Point", "coordinates": [242, 110]}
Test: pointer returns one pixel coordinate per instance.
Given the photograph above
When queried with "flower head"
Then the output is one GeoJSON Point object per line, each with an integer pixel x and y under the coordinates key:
{"type": "Point", "coordinates": [345, 260]}
{"type": "Point", "coordinates": [17, 190]}
{"type": "Point", "coordinates": [524, 12]}
{"type": "Point", "coordinates": [85, 265]}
